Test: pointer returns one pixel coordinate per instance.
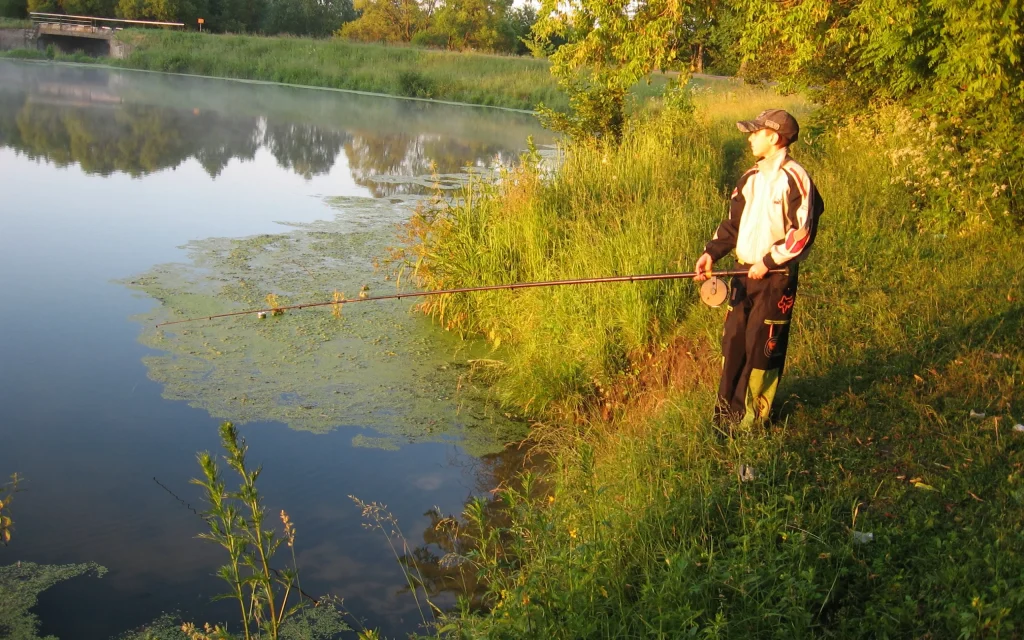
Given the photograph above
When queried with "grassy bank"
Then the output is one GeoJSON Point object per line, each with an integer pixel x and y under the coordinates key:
{"type": "Point", "coordinates": [472, 78]}
{"type": "Point", "coordinates": [880, 506]}
{"type": "Point", "coordinates": [504, 81]}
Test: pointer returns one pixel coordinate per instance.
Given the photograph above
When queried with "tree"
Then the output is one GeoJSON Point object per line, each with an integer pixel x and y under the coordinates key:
{"type": "Point", "coordinates": [519, 23]}
{"type": "Point", "coordinates": [160, 10]}
{"type": "Point", "coordinates": [44, 6]}
{"type": "Point", "coordinates": [13, 8]}
{"type": "Point", "coordinates": [474, 24]}
{"type": "Point", "coordinates": [317, 18]}
{"type": "Point", "coordinates": [386, 21]}
{"type": "Point", "coordinates": [958, 63]}
{"type": "Point", "coordinates": [88, 7]}
{"type": "Point", "coordinates": [611, 45]}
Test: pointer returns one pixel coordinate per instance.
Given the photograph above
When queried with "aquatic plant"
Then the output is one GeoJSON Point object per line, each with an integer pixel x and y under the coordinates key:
{"type": "Point", "coordinates": [20, 586]}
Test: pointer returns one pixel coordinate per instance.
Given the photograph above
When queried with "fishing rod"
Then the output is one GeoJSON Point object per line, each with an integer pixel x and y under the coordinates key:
{"type": "Point", "coordinates": [713, 291]}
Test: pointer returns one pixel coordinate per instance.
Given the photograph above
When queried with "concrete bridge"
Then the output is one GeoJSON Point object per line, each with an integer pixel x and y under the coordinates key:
{"type": "Point", "coordinates": [91, 34]}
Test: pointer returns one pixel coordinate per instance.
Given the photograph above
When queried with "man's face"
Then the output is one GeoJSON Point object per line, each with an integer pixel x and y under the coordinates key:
{"type": "Point", "coordinates": [762, 142]}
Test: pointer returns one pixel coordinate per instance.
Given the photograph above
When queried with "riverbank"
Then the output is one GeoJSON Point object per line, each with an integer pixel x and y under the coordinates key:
{"type": "Point", "coordinates": [481, 79]}
{"type": "Point", "coordinates": [885, 502]}
{"type": "Point", "coordinates": [513, 82]}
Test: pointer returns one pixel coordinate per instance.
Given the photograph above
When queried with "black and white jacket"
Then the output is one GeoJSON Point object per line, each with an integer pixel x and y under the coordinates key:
{"type": "Point", "coordinates": [773, 214]}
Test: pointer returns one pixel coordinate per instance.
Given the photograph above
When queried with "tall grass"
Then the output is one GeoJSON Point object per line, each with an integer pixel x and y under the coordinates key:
{"type": "Point", "coordinates": [404, 71]}
{"type": "Point", "coordinates": [15, 23]}
{"type": "Point", "coordinates": [905, 334]}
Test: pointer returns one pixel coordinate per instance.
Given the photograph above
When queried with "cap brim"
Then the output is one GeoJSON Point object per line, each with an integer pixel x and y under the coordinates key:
{"type": "Point", "coordinates": [748, 126]}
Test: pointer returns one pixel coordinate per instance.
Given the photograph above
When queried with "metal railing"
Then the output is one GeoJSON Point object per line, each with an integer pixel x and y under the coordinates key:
{"type": "Point", "coordinates": [93, 24]}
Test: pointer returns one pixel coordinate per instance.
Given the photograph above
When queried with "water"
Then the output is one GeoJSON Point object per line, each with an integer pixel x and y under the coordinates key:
{"type": "Point", "coordinates": [129, 198]}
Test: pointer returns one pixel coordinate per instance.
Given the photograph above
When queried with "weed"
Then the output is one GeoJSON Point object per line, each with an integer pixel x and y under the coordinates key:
{"type": "Point", "coordinates": [236, 521]}
{"type": "Point", "coordinates": [7, 492]}
{"type": "Point", "coordinates": [380, 519]}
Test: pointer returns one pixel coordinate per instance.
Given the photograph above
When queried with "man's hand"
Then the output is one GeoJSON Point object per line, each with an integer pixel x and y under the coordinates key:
{"type": "Point", "coordinates": [757, 270]}
{"type": "Point", "coordinates": [703, 266]}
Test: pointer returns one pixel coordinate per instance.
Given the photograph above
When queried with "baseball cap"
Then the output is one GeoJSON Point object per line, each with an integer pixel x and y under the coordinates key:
{"type": "Point", "coordinates": [775, 119]}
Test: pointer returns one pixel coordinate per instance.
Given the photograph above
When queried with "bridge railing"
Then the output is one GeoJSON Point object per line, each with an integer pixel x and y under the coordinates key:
{"type": "Point", "coordinates": [93, 23]}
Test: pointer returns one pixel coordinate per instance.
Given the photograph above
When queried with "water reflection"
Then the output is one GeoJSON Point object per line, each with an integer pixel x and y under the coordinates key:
{"type": "Point", "coordinates": [155, 162]}
{"type": "Point", "coordinates": [441, 565]}
{"type": "Point", "coordinates": [108, 122]}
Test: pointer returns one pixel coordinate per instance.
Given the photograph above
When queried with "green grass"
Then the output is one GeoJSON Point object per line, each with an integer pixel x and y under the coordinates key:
{"type": "Point", "coordinates": [48, 54]}
{"type": "Point", "coordinates": [901, 330]}
{"type": "Point", "coordinates": [494, 80]}
{"type": "Point", "coordinates": [15, 23]}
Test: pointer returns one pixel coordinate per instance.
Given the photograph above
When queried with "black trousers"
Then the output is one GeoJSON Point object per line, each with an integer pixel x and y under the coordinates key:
{"type": "Point", "coordinates": [754, 345]}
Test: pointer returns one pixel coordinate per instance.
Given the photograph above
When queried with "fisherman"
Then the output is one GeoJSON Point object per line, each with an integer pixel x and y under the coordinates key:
{"type": "Point", "coordinates": [773, 219]}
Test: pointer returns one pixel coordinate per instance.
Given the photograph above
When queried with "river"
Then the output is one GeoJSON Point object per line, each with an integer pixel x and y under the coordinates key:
{"type": "Point", "coordinates": [131, 198]}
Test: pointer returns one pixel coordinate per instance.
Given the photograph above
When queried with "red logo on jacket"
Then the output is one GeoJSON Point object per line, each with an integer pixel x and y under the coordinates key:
{"type": "Point", "coordinates": [785, 304]}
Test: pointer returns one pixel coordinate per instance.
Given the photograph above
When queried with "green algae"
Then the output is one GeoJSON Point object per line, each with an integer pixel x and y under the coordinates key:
{"type": "Point", "coordinates": [380, 365]}
{"type": "Point", "coordinates": [20, 586]}
{"type": "Point", "coordinates": [321, 622]}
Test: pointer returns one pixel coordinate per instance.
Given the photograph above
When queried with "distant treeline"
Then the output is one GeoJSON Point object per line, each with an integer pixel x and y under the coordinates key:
{"type": "Point", "coordinates": [479, 25]}
{"type": "Point", "coordinates": [485, 25]}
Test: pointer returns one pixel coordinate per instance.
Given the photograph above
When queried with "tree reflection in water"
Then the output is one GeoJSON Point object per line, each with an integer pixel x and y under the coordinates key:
{"type": "Point", "coordinates": [441, 565]}
{"type": "Point", "coordinates": [80, 118]}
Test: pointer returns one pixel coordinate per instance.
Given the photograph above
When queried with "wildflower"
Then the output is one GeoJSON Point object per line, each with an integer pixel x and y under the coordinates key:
{"type": "Point", "coordinates": [572, 533]}
{"type": "Point", "coordinates": [289, 528]}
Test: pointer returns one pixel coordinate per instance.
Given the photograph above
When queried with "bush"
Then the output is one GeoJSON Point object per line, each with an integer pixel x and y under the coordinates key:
{"type": "Point", "coordinates": [414, 84]}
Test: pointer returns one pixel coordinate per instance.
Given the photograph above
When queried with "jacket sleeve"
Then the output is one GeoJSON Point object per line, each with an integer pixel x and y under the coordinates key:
{"type": "Point", "coordinates": [724, 239]}
{"type": "Point", "coordinates": [800, 220]}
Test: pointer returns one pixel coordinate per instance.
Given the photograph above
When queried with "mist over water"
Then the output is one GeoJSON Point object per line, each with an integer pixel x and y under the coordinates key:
{"type": "Point", "coordinates": [130, 197]}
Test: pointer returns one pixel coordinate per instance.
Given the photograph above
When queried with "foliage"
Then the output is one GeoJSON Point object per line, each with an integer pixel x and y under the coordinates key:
{"type": "Point", "coordinates": [17, 10]}
{"type": "Point", "coordinates": [611, 46]}
{"type": "Point", "coordinates": [20, 586]}
{"type": "Point", "coordinates": [308, 17]}
{"type": "Point", "coordinates": [484, 25]}
{"type": "Point", "coordinates": [385, 21]}
{"type": "Point", "coordinates": [474, 24]}
{"type": "Point", "coordinates": [237, 523]}
{"type": "Point", "coordinates": [956, 63]}
{"type": "Point", "coordinates": [160, 10]}
{"type": "Point", "coordinates": [648, 529]}
{"type": "Point", "coordinates": [44, 6]}
{"type": "Point", "coordinates": [7, 492]}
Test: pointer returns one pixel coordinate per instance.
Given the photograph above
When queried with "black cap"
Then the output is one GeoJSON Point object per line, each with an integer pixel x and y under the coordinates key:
{"type": "Point", "coordinates": [774, 119]}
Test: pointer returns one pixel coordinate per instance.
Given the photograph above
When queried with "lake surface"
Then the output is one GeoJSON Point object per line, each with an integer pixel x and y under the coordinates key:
{"type": "Point", "coordinates": [128, 199]}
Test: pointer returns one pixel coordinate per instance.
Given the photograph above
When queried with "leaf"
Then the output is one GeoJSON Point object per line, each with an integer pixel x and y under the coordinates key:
{"type": "Point", "coordinates": [926, 487]}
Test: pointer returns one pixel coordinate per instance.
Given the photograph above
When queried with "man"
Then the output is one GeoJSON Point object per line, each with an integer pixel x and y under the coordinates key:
{"type": "Point", "coordinates": [772, 223]}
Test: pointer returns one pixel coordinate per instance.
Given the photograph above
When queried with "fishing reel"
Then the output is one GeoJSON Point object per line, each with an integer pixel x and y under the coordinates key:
{"type": "Point", "coordinates": [714, 291]}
